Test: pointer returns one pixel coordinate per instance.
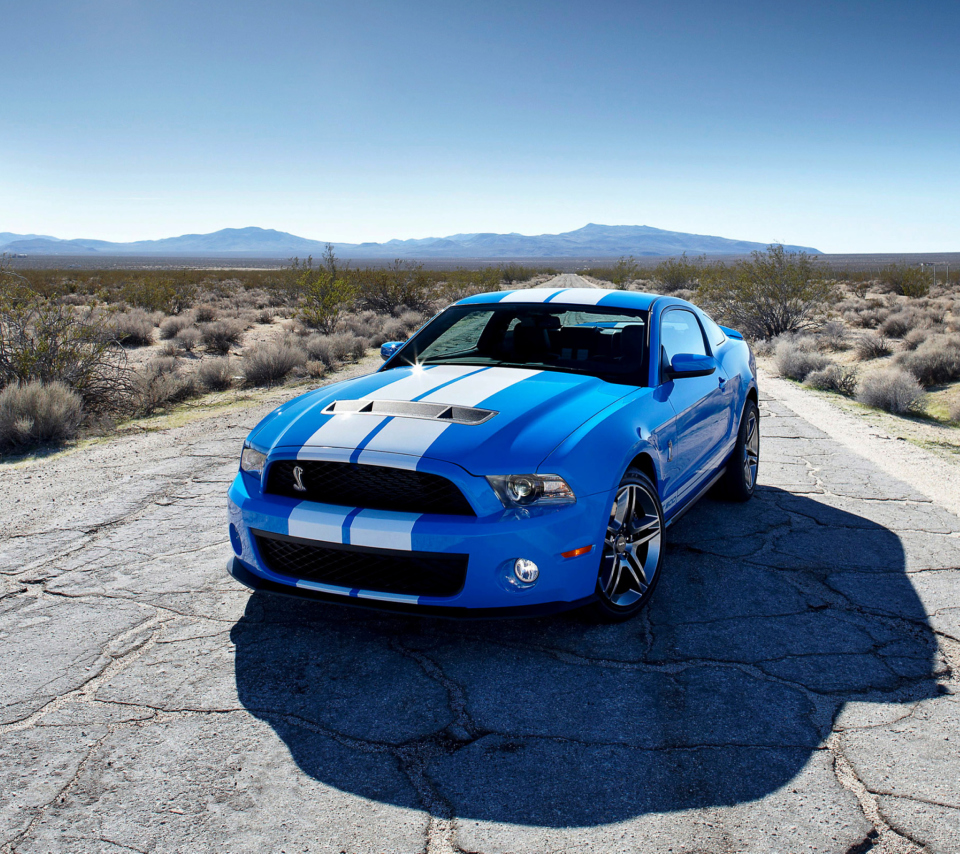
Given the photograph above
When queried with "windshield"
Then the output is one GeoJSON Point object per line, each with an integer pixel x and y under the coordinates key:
{"type": "Point", "coordinates": [605, 342]}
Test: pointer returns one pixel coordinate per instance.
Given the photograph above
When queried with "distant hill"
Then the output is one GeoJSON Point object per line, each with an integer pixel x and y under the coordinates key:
{"type": "Point", "coordinates": [591, 241]}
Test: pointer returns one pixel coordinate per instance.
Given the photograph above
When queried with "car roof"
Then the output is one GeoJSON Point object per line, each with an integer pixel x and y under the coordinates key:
{"type": "Point", "coordinates": [568, 296]}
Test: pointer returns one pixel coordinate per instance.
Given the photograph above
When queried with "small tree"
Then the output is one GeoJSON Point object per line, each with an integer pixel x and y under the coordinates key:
{"type": "Point", "coordinates": [774, 292]}
{"type": "Point", "coordinates": [906, 281]}
{"type": "Point", "coordinates": [324, 292]}
{"type": "Point", "coordinates": [624, 272]}
{"type": "Point", "coordinates": [676, 273]}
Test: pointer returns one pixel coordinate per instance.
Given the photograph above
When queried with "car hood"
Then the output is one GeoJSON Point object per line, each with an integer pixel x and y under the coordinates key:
{"type": "Point", "coordinates": [532, 412]}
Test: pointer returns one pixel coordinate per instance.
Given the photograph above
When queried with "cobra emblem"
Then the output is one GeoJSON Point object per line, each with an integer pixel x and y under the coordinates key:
{"type": "Point", "coordinates": [298, 479]}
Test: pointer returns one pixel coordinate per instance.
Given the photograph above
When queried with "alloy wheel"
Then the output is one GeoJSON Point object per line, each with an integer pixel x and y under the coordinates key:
{"type": "Point", "coordinates": [631, 548]}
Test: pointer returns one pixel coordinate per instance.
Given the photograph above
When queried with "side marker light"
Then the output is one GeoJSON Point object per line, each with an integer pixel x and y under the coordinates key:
{"type": "Point", "coordinates": [577, 552]}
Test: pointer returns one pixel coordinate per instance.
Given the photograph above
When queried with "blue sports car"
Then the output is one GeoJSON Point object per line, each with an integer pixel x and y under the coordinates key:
{"type": "Point", "coordinates": [524, 451]}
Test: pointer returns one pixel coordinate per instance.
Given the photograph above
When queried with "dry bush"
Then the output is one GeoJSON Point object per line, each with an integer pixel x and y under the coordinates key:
{"type": "Point", "coordinates": [834, 336]}
{"type": "Point", "coordinates": [797, 362]}
{"type": "Point", "coordinates": [411, 320]}
{"type": "Point", "coordinates": [132, 328]}
{"type": "Point", "coordinates": [899, 324]}
{"type": "Point", "coordinates": [270, 362]}
{"type": "Point", "coordinates": [935, 361]}
{"type": "Point", "coordinates": [891, 389]}
{"type": "Point", "coordinates": [675, 274]}
{"type": "Point", "coordinates": [265, 315]}
{"type": "Point", "coordinates": [394, 329]}
{"type": "Point", "coordinates": [347, 347]}
{"type": "Point", "coordinates": [838, 378]}
{"type": "Point", "coordinates": [205, 313]}
{"type": "Point", "coordinates": [871, 346]}
{"type": "Point", "coordinates": [215, 374]}
{"type": "Point", "coordinates": [162, 383]}
{"type": "Point", "coordinates": [366, 324]}
{"type": "Point", "coordinates": [955, 410]}
{"type": "Point", "coordinates": [404, 284]}
{"type": "Point", "coordinates": [316, 369]}
{"type": "Point", "coordinates": [915, 337]}
{"type": "Point", "coordinates": [188, 339]}
{"type": "Point", "coordinates": [172, 326]}
{"type": "Point", "coordinates": [221, 335]}
{"type": "Point", "coordinates": [33, 413]}
{"type": "Point", "coordinates": [50, 342]}
{"type": "Point", "coordinates": [908, 281]}
{"type": "Point", "coordinates": [319, 348]}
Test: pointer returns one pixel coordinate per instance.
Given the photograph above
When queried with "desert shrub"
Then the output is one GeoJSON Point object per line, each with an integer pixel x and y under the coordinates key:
{"type": "Point", "coordinates": [265, 315]}
{"type": "Point", "coordinates": [935, 361]}
{"type": "Point", "coordinates": [34, 412]}
{"type": "Point", "coordinates": [169, 295]}
{"type": "Point", "coordinates": [385, 290]}
{"type": "Point", "coordinates": [955, 410]}
{"type": "Point", "coordinates": [838, 378]}
{"type": "Point", "coordinates": [899, 324]}
{"type": "Point", "coordinates": [162, 383]}
{"type": "Point", "coordinates": [907, 281]}
{"type": "Point", "coordinates": [221, 335]}
{"type": "Point", "coordinates": [319, 348]}
{"type": "Point", "coordinates": [315, 368]}
{"type": "Point", "coordinates": [891, 389]}
{"type": "Point", "coordinates": [205, 313]}
{"type": "Point", "coordinates": [411, 320]}
{"type": "Point", "coordinates": [796, 362]}
{"type": "Point", "coordinates": [346, 346]}
{"type": "Point", "coordinates": [215, 374]}
{"type": "Point", "coordinates": [510, 273]}
{"type": "Point", "coordinates": [773, 293]}
{"type": "Point", "coordinates": [871, 346]}
{"type": "Point", "coordinates": [188, 339]}
{"type": "Point", "coordinates": [834, 336]}
{"type": "Point", "coordinates": [675, 274]}
{"type": "Point", "coordinates": [132, 328]}
{"type": "Point", "coordinates": [48, 342]}
{"type": "Point", "coordinates": [395, 329]}
{"type": "Point", "coordinates": [366, 324]}
{"type": "Point", "coordinates": [169, 349]}
{"type": "Point", "coordinates": [915, 337]}
{"type": "Point", "coordinates": [270, 362]}
{"type": "Point", "coordinates": [173, 325]}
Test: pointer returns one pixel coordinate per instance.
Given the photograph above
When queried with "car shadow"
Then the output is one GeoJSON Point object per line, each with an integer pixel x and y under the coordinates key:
{"type": "Point", "coordinates": [770, 617]}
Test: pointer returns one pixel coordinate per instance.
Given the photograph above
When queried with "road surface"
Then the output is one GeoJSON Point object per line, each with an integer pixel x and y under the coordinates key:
{"type": "Point", "coordinates": [791, 688]}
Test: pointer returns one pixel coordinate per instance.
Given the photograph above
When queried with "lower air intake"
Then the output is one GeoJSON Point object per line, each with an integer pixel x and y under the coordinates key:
{"type": "Point", "coordinates": [355, 567]}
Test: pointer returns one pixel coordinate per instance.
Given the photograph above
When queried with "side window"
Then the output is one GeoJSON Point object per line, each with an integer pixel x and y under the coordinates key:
{"type": "Point", "coordinates": [715, 334]}
{"type": "Point", "coordinates": [680, 333]}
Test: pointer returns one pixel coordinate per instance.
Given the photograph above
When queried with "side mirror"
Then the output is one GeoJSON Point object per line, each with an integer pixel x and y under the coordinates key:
{"type": "Point", "coordinates": [689, 365]}
{"type": "Point", "coordinates": [387, 350]}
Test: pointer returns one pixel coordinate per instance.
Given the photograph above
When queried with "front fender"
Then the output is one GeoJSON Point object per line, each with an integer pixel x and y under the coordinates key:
{"type": "Point", "coordinates": [594, 457]}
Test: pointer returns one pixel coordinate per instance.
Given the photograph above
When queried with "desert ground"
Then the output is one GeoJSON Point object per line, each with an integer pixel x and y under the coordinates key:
{"type": "Point", "coordinates": [791, 688]}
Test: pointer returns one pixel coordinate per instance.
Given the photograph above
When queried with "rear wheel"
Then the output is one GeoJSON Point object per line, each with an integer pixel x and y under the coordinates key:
{"type": "Point", "coordinates": [632, 549]}
{"type": "Point", "coordinates": [740, 479]}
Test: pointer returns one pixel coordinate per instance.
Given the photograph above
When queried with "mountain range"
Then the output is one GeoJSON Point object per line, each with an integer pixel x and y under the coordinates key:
{"type": "Point", "coordinates": [591, 241]}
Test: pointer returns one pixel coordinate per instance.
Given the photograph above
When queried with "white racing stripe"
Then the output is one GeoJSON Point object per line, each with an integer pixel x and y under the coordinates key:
{"type": "Point", "coordinates": [564, 296]}
{"type": "Point", "coordinates": [347, 430]}
{"type": "Point", "coordinates": [414, 435]}
{"type": "Point", "coordinates": [313, 521]}
{"type": "Point", "coordinates": [383, 529]}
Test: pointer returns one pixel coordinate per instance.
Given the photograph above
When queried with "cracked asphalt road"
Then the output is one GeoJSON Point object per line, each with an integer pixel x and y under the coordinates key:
{"type": "Point", "coordinates": [792, 688]}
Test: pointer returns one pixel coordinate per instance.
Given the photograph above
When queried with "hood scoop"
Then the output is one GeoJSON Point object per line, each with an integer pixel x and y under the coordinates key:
{"type": "Point", "coordinates": [443, 412]}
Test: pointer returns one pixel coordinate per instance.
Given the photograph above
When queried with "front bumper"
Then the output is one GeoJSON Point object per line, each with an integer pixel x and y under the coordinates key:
{"type": "Point", "coordinates": [492, 542]}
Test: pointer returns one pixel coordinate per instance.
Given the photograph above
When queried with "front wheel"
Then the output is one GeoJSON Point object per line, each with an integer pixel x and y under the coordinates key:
{"type": "Point", "coordinates": [632, 549]}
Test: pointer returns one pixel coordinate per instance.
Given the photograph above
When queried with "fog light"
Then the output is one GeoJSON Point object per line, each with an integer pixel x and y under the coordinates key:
{"type": "Point", "coordinates": [525, 570]}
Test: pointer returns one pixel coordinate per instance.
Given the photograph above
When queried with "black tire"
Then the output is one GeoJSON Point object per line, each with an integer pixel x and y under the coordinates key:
{"type": "Point", "coordinates": [632, 550]}
{"type": "Point", "coordinates": [740, 479]}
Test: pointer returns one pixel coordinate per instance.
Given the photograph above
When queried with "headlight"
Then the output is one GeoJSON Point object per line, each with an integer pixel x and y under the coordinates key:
{"type": "Point", "coordinates": [252, 460]}
{"type": "Point", "coordinates": [525, 490]}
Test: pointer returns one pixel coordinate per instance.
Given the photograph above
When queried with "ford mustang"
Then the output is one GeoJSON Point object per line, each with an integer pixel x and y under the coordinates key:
{"type": "Point", "coordinates": [524, 451]}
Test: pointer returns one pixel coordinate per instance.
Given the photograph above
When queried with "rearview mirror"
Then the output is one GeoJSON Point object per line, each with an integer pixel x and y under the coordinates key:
{"type": "Point", "coordinates": [387, 350]}
{"type": "Point", "coordinates": [689, 365]}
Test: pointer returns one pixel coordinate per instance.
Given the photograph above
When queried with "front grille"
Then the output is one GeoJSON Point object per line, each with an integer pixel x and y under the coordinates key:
{"type": "Point", "coordinates": [355, 567]}
{"type": "Point", "coordinates": [374, 487]}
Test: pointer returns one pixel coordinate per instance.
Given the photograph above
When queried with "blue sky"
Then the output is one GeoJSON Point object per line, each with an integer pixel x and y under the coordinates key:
{"type": "Point", "coordinates": [835, 125]}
